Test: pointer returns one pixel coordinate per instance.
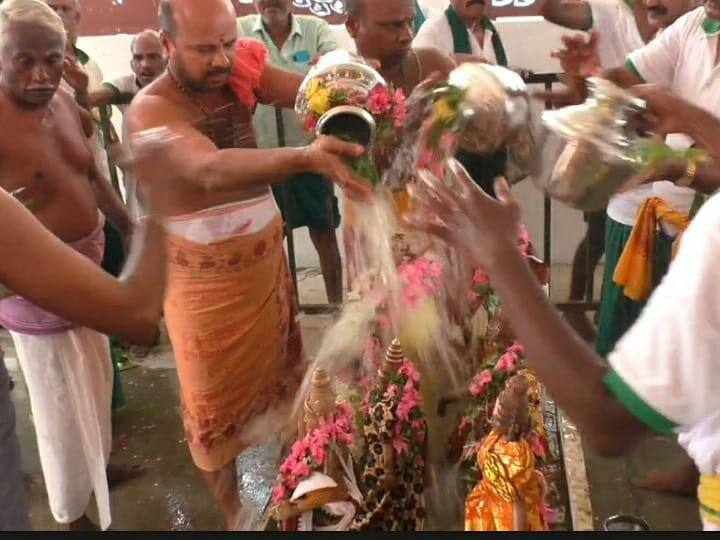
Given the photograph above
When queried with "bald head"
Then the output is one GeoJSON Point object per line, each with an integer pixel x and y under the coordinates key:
{"type": "Point", "coordinates": [148, 59]}
{"type": "Point", "coordinates": [69, 11]}
{"type": "Point", "coordinates": [200, 38]}
{"type": "Point", "coordinates": [173, 13]}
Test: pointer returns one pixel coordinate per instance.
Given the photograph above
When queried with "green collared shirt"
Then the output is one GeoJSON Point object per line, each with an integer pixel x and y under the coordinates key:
{"type": "Point", "coordinates": [309, 37]}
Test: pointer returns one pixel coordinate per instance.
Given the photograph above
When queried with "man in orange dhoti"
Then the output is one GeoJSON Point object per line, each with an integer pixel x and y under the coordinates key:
{"type": "Point", "coordinates": [228, 305]}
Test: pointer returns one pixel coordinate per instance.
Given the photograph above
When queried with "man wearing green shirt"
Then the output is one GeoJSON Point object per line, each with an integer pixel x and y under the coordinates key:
{"type": "Point", "coordinates": [292, 42]}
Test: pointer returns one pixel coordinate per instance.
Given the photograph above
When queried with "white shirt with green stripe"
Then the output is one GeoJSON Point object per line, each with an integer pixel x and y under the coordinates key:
{"type": "Point", "coordinates": [666, 369]}
{"type": "Point", "coordinates": [618, 34]}
{"type": "Point", "coordinates": [681, 58]}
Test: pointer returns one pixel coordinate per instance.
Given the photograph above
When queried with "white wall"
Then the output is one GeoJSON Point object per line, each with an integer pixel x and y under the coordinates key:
{"type": "Point", "coordinates": [528, 40]}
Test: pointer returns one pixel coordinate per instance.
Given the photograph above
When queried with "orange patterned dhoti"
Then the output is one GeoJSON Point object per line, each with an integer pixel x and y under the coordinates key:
{"type": "Point", "coordinates": [230, 315]}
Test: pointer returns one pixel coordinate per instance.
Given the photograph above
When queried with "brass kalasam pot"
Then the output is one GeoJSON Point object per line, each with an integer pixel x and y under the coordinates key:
{"type": "Point", "coordinates": [495, 105]}
{"type": "Point", "coordinates": [342, 71]}
{"type": "Point", "coordinates": [597, 158]}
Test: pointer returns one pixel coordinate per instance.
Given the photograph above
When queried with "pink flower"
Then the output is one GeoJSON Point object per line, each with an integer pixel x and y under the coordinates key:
{"type": "Point", "coordinates": [549, 514]}
{"type": "Point", "coordinates": [509, 360]}
{"type": "Point", "coordinates": [410, 399]}
{"type": "Point", "coordinates": [419, 462]}
{"type": "Point", "coordinates": [300, 469]}
{"type": "Point", "coordinates": [480, 277]}
{"type": "Point", "coordinates": [380, 100]}
{"type": "Point", "coordinates": [410, 372]}
{"type": "Point", "coordinates": [474, 299]}
{"type": "Point", "coordinates": [480, 383]}
{"type": "Point", "coordinates": [399, 110]}
{"type": "Point", "coordinates": [278, 493]}
{"type": "Point", "coordinates": [317, 448]}
{"type": "Point", "coordinates": [537, 446]}
{"type": "Point", "coordinates": [392, 391]}
{"type": "Point", "coordinates": [400, 445]}
{"type": "Point", "coordinates": [310, 122]}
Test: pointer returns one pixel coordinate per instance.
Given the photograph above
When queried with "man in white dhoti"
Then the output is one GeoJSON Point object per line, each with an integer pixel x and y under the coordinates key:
{"type": "Point", "coordinates": [48, 158]}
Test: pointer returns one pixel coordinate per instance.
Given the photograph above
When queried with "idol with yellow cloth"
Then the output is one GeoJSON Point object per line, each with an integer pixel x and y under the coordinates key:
{"type": "Point", "coordinates": [511, 492]}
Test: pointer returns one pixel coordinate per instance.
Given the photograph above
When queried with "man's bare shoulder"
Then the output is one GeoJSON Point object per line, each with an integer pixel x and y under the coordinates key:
{"type": "Point", "coordinates": [434, 60]}
{"type": "Point", "coordinates": [155, 105]}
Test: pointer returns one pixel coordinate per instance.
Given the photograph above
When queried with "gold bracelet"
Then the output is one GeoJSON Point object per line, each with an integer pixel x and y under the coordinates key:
{"type": "Point", "coordinates": [688, 177]}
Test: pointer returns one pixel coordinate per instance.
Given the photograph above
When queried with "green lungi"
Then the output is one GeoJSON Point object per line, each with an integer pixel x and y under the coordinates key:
{"type": "Point", "coordinates": [617, 312]}
{"type": "Point", "coordinates": [312, 203]}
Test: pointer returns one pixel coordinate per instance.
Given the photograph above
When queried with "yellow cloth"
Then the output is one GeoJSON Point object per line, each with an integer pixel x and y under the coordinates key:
{"type": "Point", "coordinates": [508, 475]}
{"type": "Point", "coordinates": [709, 497]}
{"type": "Point", "coordinates": [634, 271]}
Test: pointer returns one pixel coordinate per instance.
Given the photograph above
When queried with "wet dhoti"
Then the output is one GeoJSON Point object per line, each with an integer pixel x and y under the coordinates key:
{"type": "Point", "coordinates": [231, 319]}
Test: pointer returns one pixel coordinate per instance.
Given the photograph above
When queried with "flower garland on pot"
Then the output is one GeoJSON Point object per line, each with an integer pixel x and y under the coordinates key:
{"type": "Point", "coordinates": [386, 105]}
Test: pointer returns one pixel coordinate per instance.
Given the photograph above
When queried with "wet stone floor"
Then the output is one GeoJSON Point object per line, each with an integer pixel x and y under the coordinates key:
{"type": "Point", "coordinates": [171, 495]}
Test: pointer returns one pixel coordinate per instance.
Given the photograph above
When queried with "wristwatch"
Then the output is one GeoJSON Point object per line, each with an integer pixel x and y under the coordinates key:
{"type": "Point", "coordinates": [688, 176]}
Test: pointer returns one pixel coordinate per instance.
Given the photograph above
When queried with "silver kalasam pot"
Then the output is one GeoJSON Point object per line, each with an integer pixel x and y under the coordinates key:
{"type": "Point", "coordinates": [496, 113]}
{"type": "Point", "coordinates": [594, 143]}
{"type": "Point", "coordinates": [343, 71]}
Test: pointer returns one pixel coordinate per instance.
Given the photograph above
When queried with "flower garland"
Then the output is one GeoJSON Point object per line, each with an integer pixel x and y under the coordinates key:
{"type": "Point", "coordinates": [402, 393]}
{"type": "Point", "coordinates": [310, 453]}
{"type": "Point", "coordinates": [386, 105]}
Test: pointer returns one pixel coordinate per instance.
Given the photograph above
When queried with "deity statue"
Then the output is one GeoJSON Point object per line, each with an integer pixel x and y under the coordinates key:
{"type": "Point", "coordinates": [395, 430]}
{"type": "Point", "coordinates": [326, 496]}
{"type": "Point", "coordinates": [510, 495]}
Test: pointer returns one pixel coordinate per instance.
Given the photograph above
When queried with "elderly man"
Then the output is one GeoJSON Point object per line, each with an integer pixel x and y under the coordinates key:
{"type": "Point", "coordinates": [147, 63]}
{"type": "Point", "coordinates": [81, 76]}
{"type": "Point", "coordinates": [621, 28]}
{"type": "Point", "coordinates": [663, 374]}
{"type": "Point", "coordinates": [49, 161]}
{"type": "Point", "coordinates": [293, 41]}
{"type": "Point", "coordinates": [229, 304]}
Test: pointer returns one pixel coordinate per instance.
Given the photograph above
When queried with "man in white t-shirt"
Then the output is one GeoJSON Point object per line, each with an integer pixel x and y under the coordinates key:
{"type": "Point", "coordinates": [664, 375]}
{"type": "Point", "coordinates": [683, 58]}
{"type": "Point", "coordinates": [463, 31]}
{"type": "Point", "coordinates": [621, 27]}
{"type": "Point", "coordinates": [147, 63]}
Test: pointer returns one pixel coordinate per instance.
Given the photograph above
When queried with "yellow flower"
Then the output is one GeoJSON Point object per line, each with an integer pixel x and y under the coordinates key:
{"type": "Point", "coordinates": [319, 101]}
{"type": "Point", "coordinates": [443, 110]}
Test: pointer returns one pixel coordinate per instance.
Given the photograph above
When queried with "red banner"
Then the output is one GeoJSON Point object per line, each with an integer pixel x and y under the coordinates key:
{"type": "Point", "coordinates": [106, 17]}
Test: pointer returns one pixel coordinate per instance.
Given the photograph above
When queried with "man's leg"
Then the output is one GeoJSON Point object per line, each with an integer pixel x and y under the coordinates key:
{"type": "Point", "coordinates": [587, 256]}
{"type": "Point", "coordinates": [224, 489]}
{"type": "Point", "coordinates": [13, 512]}
{"type": "Point", "coordinates": [326, 245]}
{"type": "Point", "coordinates": [62, 458]}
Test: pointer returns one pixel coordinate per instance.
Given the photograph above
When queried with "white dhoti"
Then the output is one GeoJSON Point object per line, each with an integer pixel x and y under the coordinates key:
{"type": "Point", "coordinates": [69, 377]}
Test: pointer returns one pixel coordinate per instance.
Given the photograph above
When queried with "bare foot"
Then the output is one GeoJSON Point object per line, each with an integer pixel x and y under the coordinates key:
{"type": "Point", "coordinates": [119, 474]}
{"type": "Point", "coordinates": [582, 325]}
{"type": "Point", "coordinates": [83, 525]}
{"type": "Point", "coordinates": [681, 480]}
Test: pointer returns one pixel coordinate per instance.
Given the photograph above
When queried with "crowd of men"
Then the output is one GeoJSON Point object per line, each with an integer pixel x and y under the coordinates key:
{"type": "Point", "coordinates": [203, 212]}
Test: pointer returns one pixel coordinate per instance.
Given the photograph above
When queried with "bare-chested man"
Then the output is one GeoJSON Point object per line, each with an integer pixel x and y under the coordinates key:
{"type": "Point", "coordinates": [47, 161]}
{"type": "Point", "coordinates": [229, 301]}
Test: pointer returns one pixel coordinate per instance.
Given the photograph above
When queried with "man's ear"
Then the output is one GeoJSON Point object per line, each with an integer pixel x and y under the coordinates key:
{"type": "Point", "coordinates": [352, 26]}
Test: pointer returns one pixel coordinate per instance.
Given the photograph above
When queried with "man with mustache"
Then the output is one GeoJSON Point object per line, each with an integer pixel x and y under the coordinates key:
{"type": "Point", "coordinates": [229, 304]}
{"type": "Point", "coordinates": [684, 58]}
{"type": "Point", "coordinates": [621, 28]}
{"type": "Point", "coordinates": [293, 41]}
{"type": "Point", "coordinates": [147, 63]}
{"type": "Point", "coordinates": [48, 161]}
